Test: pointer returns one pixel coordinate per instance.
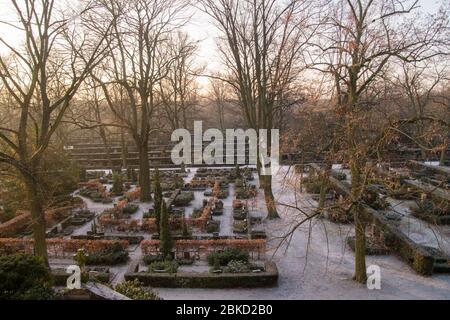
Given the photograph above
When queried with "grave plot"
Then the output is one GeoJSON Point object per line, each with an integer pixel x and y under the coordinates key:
{"type": "Point", "coordinates": [224, 263]}
{"type": "Point", "coordinates": [66, 227]}
{"type": "Point", "coordinates": [435, 175]}
{"type": "Point", "coordinates": [95, 257]}
{"type": "Point", "coordinates": [431, 183]}
{"type": "Point", "coordinates": [427, 201]}
{"type": "Point", "coordinates": [401, 212]}
{"type": "Point", "coordinates": [68, 216]}
{"type": "Point", "coordinates": [172, 180]}
{"type": "Point", "coordinates": [336, 204]}
{"type": "Point", "coordinates": [425, 208]}
{"type": "Point", "coordinates": [203, 221]}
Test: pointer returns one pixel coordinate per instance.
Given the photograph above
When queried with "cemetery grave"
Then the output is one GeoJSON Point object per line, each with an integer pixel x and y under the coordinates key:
{"type": "Point", "coordinates": [410, 221]}
{"type": "Point", "coordinates": [201, 226]}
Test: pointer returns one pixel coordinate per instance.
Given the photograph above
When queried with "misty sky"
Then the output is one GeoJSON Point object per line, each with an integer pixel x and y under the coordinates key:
{"type": "Point", "coordinates": [200, 28]}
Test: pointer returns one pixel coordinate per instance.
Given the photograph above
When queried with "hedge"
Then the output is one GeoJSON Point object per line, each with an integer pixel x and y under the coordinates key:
{"type": "Point", "coordinates": [256, 245]}
{"type": "Point", "coordinates": [267, 278]}
{"type": "Point", "coordinates": [57, 247]}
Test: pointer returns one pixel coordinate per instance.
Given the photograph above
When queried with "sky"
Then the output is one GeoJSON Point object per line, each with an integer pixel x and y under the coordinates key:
{"type": "Point", "coordinates": [201, 28]}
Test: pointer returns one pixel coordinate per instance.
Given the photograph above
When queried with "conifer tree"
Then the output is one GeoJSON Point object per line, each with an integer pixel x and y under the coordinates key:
{"type": "Point", "coordinates": [158, 199]}
{"type": "Point", "coordinates": [166, 243]}
{"type": "Point", "coordinates": [186, 233]}
{"type": "Point", "coordinates": [117, 187]}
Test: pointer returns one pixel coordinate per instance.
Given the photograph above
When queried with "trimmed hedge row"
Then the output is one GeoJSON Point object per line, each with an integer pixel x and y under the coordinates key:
{"type": "Point", "coordinates": [57, 247]}
{"type": "Point", "coordinates": [131, 239]}
{"type": "Point", "coordinates": [268, 278]}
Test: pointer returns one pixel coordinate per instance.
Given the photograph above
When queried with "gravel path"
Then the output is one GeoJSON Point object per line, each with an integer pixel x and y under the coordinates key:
{"type": "Point", "coordinates": [226, 219]}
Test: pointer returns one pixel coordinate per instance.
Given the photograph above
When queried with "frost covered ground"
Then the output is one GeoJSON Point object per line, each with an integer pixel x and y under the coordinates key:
{"type": "Point", "coordinates": [317, 264]}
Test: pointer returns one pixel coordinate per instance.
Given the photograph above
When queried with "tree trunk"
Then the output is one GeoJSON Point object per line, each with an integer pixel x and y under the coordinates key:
{"type": "Point", "coordinates": [260, 176]}
{"type": "Point", "coordinates": [265, 183]}
{"type": "Point", "coordinates": [323, 191]}
{"type": "Point", "coordinates": [269, 198]}
{"type": "Point", "coordinates": [443, 152]}
{"type": "Point", "coordinates": [107, 148]}
{"type": "Point", "coordinates": [144, 173]}
{"type": "Point", "coordinates": [360, 225]}
{"type": "Point", "coordinates": [324, 176]}
{"type": "Point", "coordinates": [420, 138]}
{"type": "Point", "coordinates": [360, 245]}
{"type": "Point", "coordinates": [38, 220]}
{"type": "Point", "coordinates": [124, 149]}
{"type": "Point", "coordinates": [423, 154]}
{"type": "Point", "coordinates": [357, 160]}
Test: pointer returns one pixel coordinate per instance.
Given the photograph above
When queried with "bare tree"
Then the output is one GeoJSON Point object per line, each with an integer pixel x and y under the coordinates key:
{"type": "Point", "coordinates": [179, 89]}
{"type": "Point", "coordinates": [443, 99]}
{"type": "Point", "coordinates": [418, 83]}
{"type": "Point", "coordinates": [220, 96]}
{"type": "Point", "coordinates": [42, 75]}
{"type": "Point", "coordinates": [262, 47]}
{"type": "Point", "coordinates": [358, 41]}
{"type": "Point", "coordinates": [138, 61]}
{"type": "Point", "coordinates": [96, 111]}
